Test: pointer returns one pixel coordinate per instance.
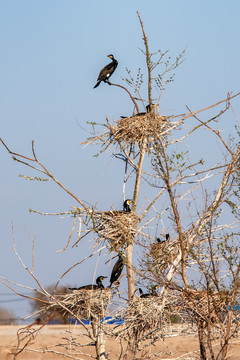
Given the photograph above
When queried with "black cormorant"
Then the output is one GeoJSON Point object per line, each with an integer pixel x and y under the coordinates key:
{"type": "Point", "coordinates": [148, 108]}
{"type": "Point", "coordinates": [96, 286]}
{"type": "Point", "coordinates": [126, 205]}
{"type": "Point", "coordinates": [152, 293]}
{"type": "Point", "coordinates": [138, 114]}
{"type": "Point", "coordinates": [117, 270]}
{"type": "Point", "coordinates": [167, 236]}
{"type": "Point", "coordinates": [107, 71]}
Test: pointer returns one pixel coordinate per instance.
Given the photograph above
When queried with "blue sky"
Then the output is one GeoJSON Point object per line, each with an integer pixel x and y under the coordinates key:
{"type": "Point", "coordinates": [51, 54]}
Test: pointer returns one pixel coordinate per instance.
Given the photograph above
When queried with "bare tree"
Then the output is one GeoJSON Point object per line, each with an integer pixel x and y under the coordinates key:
{"type": "Point", "coordinates": [197, 267]}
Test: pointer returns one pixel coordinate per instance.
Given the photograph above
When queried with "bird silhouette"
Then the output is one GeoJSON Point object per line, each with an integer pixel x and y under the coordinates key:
{"type": "Point", "coordinates": [152, 293]}
{"type": "Point", "coordinates": [167, 237]}
{"type": "Point", "coordinates": [126, 205]}
{"type": "Point", "coordinates": [139, 114]}
{"type": "Point", "coordinates": [96, 286]}
{"type": "Point", "coordinates": [107, 71]}
{"type": "Point", "coordinates": [117, 270]}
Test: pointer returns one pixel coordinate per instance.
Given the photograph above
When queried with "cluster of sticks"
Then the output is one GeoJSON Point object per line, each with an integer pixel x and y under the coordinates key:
{"type": "Point", "coordinates": [81, 304]}
{"type": "Point", "coordinates": [136, 129]}
{"type": "Point", "coordinates": [117, 227]}
{"type": "Point", "coordinates": [205, 306]}
{"type": "Point", "coordinates": [132, 130]}
{"type": "Point", "coordinates": [163, 254]}
{"type": "Point", "coordinates": [144, 315]}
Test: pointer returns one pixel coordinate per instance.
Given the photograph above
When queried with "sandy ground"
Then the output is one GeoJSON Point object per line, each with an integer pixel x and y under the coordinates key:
{"type": "Point", "coordinates": [51, 337]}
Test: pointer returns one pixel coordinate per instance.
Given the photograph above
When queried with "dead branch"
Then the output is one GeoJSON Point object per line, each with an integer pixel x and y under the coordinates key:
{"type": "Point", "coordinates": [124, 88]}
{"type": "Point", "coordinates": [42, 169]}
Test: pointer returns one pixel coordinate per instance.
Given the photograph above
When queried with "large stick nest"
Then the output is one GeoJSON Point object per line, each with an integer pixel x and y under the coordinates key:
{"type": "Point", "coordinates": [203, 305]}
{"type": "Point", "coordinates": [119, 228]}
{"type": "Point", "coordinates": [136, 129]}
{"type": "Point", "coordinates": [143, 316]}
{"type": "Point", "coordinates": [82, 303]}
{"type": "Point", "coordinates": [164, 253]}
{"type": "Point", "coordinates": [133, 130]}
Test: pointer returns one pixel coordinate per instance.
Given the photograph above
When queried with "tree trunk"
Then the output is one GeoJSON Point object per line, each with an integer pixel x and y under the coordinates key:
{"type": "Point", "coordinates": [130, 272]}
{"type": "Point", "coordinates": [223, 353]}
{"type": "Point", "coordinates": [99, 339]}
{"type": "Point", "coordinates": [203, 355]}
{"type": "Point", "coordinates": [131, 349]}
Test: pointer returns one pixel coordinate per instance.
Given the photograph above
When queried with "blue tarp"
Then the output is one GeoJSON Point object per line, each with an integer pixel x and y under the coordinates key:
{"type": "Point", "coordinates": [107, 320]}
{"type": "Point", "coordinates": [235, 307]}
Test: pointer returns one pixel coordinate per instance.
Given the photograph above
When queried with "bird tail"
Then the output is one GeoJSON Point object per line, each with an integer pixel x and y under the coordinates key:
{"type": "Point", "coordinates": [97, 84]}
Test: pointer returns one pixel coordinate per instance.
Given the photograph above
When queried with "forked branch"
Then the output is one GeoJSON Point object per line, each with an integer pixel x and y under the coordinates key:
{"type": "Point", "coordinates": [43, 169]}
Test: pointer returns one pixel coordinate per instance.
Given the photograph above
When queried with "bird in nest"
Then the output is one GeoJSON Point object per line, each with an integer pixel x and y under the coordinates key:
{"type": "Point", "coordinates": [148, 110]}
{"type": "Point", "coordinates": [152, 293]}
{"type": "Point", "coordinates": [126, 205]}
{"type": "Point", "coordinates": [116, 271]}
{"type": "Point", "coordinates": [98, 285]}
{"type": "Point", "coordinates": [167, 237]}
{"type": "Point", "coordinates": [107, 71]}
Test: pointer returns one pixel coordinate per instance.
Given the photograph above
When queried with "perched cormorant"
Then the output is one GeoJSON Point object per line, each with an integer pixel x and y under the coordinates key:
{"type": "Point", "coordinates": [96, 286]}
{"type": "Point", "coordinates": [167, 236]}
{"type": "Point", "coordinates": [152, 293]}
{"type": "Point", "coordinates": [148, 108]}
{"type": "Point", "coordinates": [139, 114]}
{"type": "Point", "coordinates": [117, 270]}
{"type": "Point", "coordinates": [126, 205]}
{"type": "Point", "coordinates": [107, 71]}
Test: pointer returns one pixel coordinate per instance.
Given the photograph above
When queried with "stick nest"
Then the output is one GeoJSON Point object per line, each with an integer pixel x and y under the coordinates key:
{"type": "Point", "coordinates": [119, 228]}
{"type": "Point", "coordinates": [203, 305]}
{"type": "Point", "coordinates": [137, 128]}
{"type": "Point", "coordinates": [164, 253]}
{"type": "Point", "coordinates": [143, 315]}
{"type": "Point", "coordinates": [82, 303]}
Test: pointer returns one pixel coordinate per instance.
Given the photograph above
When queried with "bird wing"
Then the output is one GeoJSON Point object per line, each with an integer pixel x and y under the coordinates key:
{"type": "Point", "coordinates": [117, 270]}
{"type": "Point", "coordinates": [87, 287]}
{"type": "Point", "coordinates": [108, 69]}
